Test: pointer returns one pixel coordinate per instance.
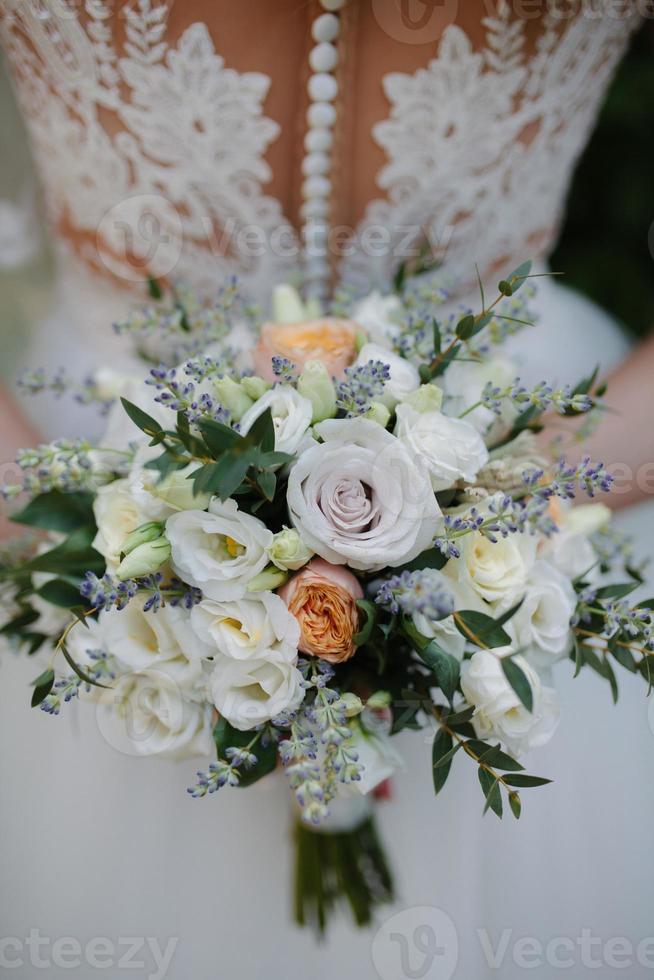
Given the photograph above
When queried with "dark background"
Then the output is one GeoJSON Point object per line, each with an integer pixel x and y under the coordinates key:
{"type": "Point", "coordinates": [607, 244]}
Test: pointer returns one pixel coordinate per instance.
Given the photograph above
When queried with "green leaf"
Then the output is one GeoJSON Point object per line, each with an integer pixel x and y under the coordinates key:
{"type": "Point", "coordinates": [491, 790]}
{"type": "Point", "coordinates": [19, 623]}
{"type": "Point", "coordinates": [369, 612]}
{"type": "Point", "coordinates": [42, 687]}
{"type": "Point", "coordinates": [432, 558]}
{"type": "Point", "coordinates": [267, 483]}
{"type": "Point", "coordinates": [579, 656]}
{"type": "Point", "coordinates": [460, 717]}
{"type": "Point", "coordinates": [617, 591]}
{"type": "Point", "coordinates": [515, 280]}
{"type": "Point", "coordinates": [509, 614]}
{"type": "Point", "coordinates": [262, 432]}
{"type": "Point", "coordinates": [444, 362]}
{"type": "Point", "coordinates": [465, 328]}
{"type": "Point", "coordinates": [515, 804]}
{"type": "Point", "coordinates": [624, 656]}
{"type": "Point", "coordinates": [493, 756]}
{"type": "Point", "coordinates": [522, 780]}
{"type": "Point", "coordinates": [437, 336]}
{"type": "Point", "coordinates": [517, 678]}
{"type": "Point", "coordinates": [444, 666]}
{"type": "Point", "coordinates": [60, 593]}
{"type": "Point", "coordinates": [73, 557]}
{"type": "Point", "coordinates": [441, 748]}
{"type": "Point", "coordinates": [218, 437]}
{"type": "Point", "coordinates": [56, 511]}
{"type": "Point", "coordinates": [481, 629]}
{"type": "Point", "coordinates": [141, 419]}
{"type": "Point", "coordinates": [154, 289]}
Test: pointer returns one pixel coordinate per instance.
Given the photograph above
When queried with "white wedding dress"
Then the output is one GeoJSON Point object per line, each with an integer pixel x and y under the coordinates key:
{"type": "Point", "coordinates": [479, 145]}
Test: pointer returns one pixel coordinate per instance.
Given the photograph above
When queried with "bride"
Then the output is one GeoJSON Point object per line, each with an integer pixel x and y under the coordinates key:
{"type": "Point", "coordinates": [311, 141]}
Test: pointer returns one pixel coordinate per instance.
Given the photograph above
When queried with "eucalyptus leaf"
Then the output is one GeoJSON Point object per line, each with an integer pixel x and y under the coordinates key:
{"type": "Point", "coordinates": [522, 780]}
{"type": "Point", "coordinates": [441, 748]}
{"type": "Point", "coordinates": [491, 790]}
{"type": "Point", "coordinates": [369, 612]}
{"type": "Point", "coordinates": [56, 511]}
{"type": "Point", "coordinates": [42, 687]}
{"type": "Point", "coordinates": [481, 629]}
{"type": "Point", "coordinates": [141, 419]}
{"type": "Point", "coordinates": [517, 678]}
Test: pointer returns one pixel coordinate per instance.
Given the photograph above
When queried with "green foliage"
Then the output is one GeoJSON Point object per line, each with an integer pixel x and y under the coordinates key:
{"type": "Point", "coordinates": [56, 511]}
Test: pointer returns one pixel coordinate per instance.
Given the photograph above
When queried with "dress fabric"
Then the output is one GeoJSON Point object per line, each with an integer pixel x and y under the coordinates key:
{"type": "Point", "coordinates": [96, 843]}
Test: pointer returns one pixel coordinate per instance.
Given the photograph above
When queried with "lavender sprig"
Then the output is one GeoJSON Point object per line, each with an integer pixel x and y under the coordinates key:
{"type": "Point", "coordinates": [423, 592]}
{"type": "Point", "coordinates": [362, 386]}
{"type": "Point", "coordinates": [110, 592]}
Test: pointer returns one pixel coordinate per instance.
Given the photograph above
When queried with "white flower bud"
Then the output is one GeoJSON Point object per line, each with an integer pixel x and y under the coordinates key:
{"type": "Point", "coordinates": [268, 580]}
{"type": "Point", "coordinates": [353, 704]}
{"type": "Point", "coordinates": [426, 398]}
{"type": "Point", "coordinates": [378, 413]}
{"type": "Point", "coordinates": [316, 385]}
{"type": "Point", "coordinates": [255, 387]}
{"type": "Point", "coordinates": [142, 535]}
{"type": "Point", "coordinates": [144, 559]}
{"type": "Point", "coordinates": [232, 397]}
{"type": "Point", "coordinates": [288, 551]}
{"type": "Point", "coordinates": [379, 700]}
{"type": "Point", "coordinates": [287, 305]}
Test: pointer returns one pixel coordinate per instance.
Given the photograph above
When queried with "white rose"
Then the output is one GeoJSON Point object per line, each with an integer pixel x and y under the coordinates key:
{"type": "Point", "coordinates": [147, 712]}
{"type": "Point", "coordinates": [378, 757]}
{"type": "Point", "coordinates": [444, 630]}
{"type": "Point", "coordinates": [117, 514]}
{"type": "Point", "coordinates": [541, 626]}
{"type": "Point", "coordinates": [142, 640]}
{"type": "Point", "coordinates": [451, 449]}
{"type": "Point", "coordinates": [291, 414]}
{"type": "Point", "coordinates": [246, 628]}
{"type": "Point", "coordinates": [219, 551]}
{"type": "Point", "coordinates": [569, 549]}
{"type": "Point", "coordinates": [250, 692]}
{"type": "Point", "coordinates": [463, 384]}
{"type": "Point", "coordinates": [359, 498]}
{"type": "Point", "coordinates": [378, 316]}
{"type": "Point", "coordinates": [404, 377]}
{"type": "Point", "coordinates": [158, 498]}
{"type": "Point", "coordinates": [499, 712]}
{"type": "Point", "coordinates": [495, 570]}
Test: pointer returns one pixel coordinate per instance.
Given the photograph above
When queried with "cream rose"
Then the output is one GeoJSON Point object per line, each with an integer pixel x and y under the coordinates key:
{"type": "Point", "coordinates": [358, 498]}
{"type": "Point", "coordinates": [329, 340]}
{"type": "Point", "coordinates": [322, 598]}
{"type": "Point", "coordinates": [117, 514]}
{"type": "Point", "coordinates": [291, 415]}
{"type": "Point", "coordinates": [404, 377]}
{"type": "Point", "coordinates": [451, 449]}
{"type": "Point", "coordinates": [149, 712]}
{"type": "Point", "coordinates": [219, 551]}
{"type": "Point", "coordinates": [252, 691]}
{"type": "Point", "coordinates": [378, 315]}
{"type": "Point", "coordinates": [499, 712]}
{"type": "Point", "coordinates": [246, 628]}
{"type": "Point", "coordinates": [464, 382]}
{"type": "Point", "coordinates": [495, 570]}
{"type": "Point", "coordinates": [541, 626]}
{"type": "Point", "coordinates": [570, 549]}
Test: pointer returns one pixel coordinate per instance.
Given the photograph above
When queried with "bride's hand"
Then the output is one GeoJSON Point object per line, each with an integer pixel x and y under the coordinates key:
{"type": "Point", "coordinates": [624, 439]}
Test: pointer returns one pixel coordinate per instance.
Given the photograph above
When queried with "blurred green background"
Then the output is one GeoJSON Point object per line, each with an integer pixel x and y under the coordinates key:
{"type": "Point", "coordinates": [607, 245]}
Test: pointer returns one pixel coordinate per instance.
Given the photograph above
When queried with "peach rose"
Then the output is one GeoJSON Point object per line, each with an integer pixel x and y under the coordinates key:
{"type": "Point", "coordinates": [329, 340]}
{"type": "Point", "coordinates": [322, 597]}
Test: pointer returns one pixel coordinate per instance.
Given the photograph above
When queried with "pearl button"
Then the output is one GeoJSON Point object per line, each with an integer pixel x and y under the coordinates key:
{"type": "Point", "coordinates": [318, 140]}
{"type": "Point", "coordinates": [316, 187]}
{"type": "Point", "coordinates": [332, 4]}
{"type": "Point", "coordinates": [325, 28]}
{"type": "Point", "coordinates": [321, 115]}
{"type": "Point", "coordinates": [322, 87]}
{"type": "Point", "coordinates": [315, 207]}
{"type": "Point", "coordinates": [315, 163]}
{"type": "Point", "coordinates": [324, 57]}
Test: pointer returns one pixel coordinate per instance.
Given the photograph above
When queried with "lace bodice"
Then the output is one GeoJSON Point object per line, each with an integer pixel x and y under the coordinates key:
{"type": "Point", "coordinates": [157, 155]}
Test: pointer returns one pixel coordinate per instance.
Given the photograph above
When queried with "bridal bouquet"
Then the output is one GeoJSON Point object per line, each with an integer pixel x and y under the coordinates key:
{"type": "Point", "coordinates": [297, 539]}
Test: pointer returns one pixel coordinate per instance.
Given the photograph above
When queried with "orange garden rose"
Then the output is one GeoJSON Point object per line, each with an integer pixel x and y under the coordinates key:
{"type": "Point", "coordinates": [322, 597]}
{"type": "Point", "coordinates": [329, 340]}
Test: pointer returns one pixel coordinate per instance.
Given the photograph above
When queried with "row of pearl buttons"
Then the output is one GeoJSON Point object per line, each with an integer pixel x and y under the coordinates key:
{"type": "Point", "coordinates": [316, 165]}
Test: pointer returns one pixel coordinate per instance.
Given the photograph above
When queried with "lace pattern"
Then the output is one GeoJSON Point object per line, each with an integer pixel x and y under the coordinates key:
{"type": "Point", "coordinates": [480, 144]}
